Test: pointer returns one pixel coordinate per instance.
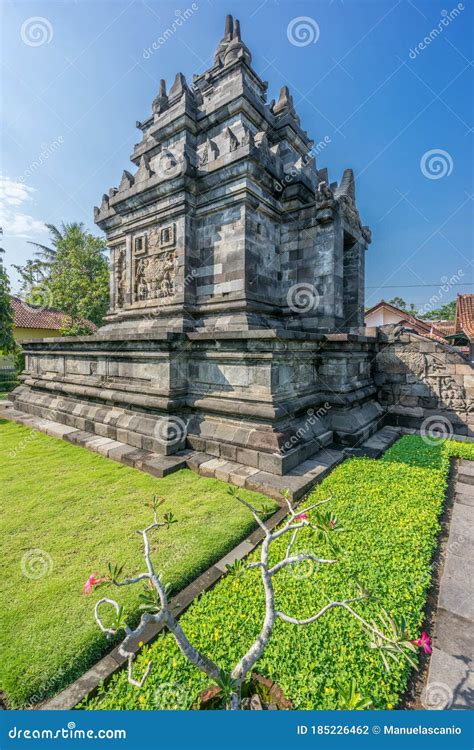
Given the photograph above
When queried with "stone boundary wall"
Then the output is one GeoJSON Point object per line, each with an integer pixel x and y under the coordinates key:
{"type": "Point", "coordinates": [424, 384]}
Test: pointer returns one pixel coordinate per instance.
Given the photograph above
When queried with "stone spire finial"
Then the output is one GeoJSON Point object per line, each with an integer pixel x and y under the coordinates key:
{"type": "Point", "coordinates": [161, 101]}
{"type": "Point", "coordinates": [225, 41]}
{"type": "Point", "coordinates": [144, 171]}
{"type": "Point", "coordinates": [126, 182]}
{"type": "Point", "coordinates": [237, 50]}
{"type": "Point", "coordinates": [347, 186]}
{"type": "Point", "coordinates": [229, 28]}
{"type": "Point", "coordinates": [179, 87]}
{"type": "Point", "coordinates": [285, 104]}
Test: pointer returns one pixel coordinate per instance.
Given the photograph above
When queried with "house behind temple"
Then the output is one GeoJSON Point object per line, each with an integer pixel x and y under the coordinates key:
{"type": "Point", "coordinates": [458, 332]}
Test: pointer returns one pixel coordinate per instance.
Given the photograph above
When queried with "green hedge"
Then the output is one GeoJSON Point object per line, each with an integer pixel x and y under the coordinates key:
{"type": "Point", "coordinates": [390, 509]}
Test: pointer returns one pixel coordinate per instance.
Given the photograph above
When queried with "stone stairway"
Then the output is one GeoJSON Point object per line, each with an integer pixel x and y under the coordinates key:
{"type": "Point", "coordinates": [450, 681]}
{"type": "Point", "coordinates": [298, 481]}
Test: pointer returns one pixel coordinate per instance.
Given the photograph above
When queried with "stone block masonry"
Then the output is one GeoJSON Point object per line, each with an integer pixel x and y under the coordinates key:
{"type": "Point", "coordinates": [237, 291]}
{"type": "Point", "coordinates": [424, 383]}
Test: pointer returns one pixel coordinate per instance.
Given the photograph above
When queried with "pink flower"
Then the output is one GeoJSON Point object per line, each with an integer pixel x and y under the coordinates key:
{"type": "Point", "coordinates": [92, 581]}
{"type": "Point", "coordinates": [302, 517]}
{"type": "Point", "coordinates": [424, 642]}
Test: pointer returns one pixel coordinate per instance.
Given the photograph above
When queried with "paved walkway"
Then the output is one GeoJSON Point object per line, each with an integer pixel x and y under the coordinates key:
{"type": "Point", "coordinates": [451, 675]}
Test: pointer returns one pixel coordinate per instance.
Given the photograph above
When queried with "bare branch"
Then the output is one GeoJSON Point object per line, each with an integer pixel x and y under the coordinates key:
{"type": "Point", "coordinates": [313, 618]}
{"type": "Point", "coordinates": [314, 505]}
{"type": "Point", "coordinates": [130, 581]}
{"type": "Point", "coordinates": [136, 683]}
{"type": "Point", "coordinates": [298, 559]}
{"type": "Point", "coordinates": [115, 605]}
{"type": "Point", "coordinates": [254, 513]}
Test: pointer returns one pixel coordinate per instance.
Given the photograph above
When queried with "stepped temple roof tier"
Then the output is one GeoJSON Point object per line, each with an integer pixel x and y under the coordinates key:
{"type": "Point", "coordinates": [225, 212]}
{"type": "Point", "coordinates": [233, 341]}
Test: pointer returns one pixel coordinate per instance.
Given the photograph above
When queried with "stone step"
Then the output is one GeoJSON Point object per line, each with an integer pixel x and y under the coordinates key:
{"type": "Point", "coordinates": [450, 681]}
{"type": "Point", "coordinates": [297, 482]}
{"type": "Point", "coordinates": [376, 444]}
{"type": "Point", "coordinates": [466, 472]}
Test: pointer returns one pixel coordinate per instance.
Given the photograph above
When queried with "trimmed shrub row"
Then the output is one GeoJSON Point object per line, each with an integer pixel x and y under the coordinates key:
{"type": "Point", "coordinates": [390, 509]}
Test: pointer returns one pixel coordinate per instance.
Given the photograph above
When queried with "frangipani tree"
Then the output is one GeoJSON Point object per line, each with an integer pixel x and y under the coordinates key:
{"type": "Point", "coordinates": [387, 635]}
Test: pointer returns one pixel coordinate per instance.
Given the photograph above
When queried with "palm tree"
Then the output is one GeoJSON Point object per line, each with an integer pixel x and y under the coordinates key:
{"type": "Point", "coordinates": [48, 254]}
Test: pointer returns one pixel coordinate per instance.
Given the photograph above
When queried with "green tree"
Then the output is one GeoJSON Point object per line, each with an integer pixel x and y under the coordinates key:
{"type": "Point", "coordinates": [445, 312]}
{"type": "Point", "coordinates": [73, 277]}
{"type": "Point", "coordinates": [7, 342]}
{"type": "Point", "coordinates": [402, 305]}
{"type": "Point", "coordinates": [78, 282]}
{"type": "Point", "coordinates": [398, 302]}
{"type": "Point", "coordinates": [33, 281]}
{"type": "Point", "coordinates": [47, 254]}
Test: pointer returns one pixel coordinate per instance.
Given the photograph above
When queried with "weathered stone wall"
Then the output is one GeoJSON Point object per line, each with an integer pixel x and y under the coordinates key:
{"type": "Point", "coordinates": [422, 383]}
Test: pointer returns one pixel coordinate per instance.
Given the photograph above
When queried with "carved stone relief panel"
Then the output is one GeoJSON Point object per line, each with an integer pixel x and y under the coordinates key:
{"type": "Point", "coordinates": [155, 263]}
{"type": "Point", "coordinates": [155, 276]}
{"type": "Point", "coordinates": [120, 276]}
{"type": "Point", "coordinates": [428, 369]}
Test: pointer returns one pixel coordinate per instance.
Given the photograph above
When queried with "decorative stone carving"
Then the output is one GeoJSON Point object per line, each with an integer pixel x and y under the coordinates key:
{"type": "Point", "coordinates": [144, 171]}
{"type": "Point", "coordinates": [247, 138]}
{"type": "Point", "coordinates": [154, 276]}
{"type": "Point", "coordinates": [324, 196]}
{"type": "Point", "coordinates": [160, 103]}
{"type": "Point", "coordinates": [350, 214]}
{"type": "Point", "coordinates": [126, 181]}
{"type": "Point", "coordinates": [161, 237]}
{"type": "Point", "coordinates": [400, 359]}
{"type": "Point", "coordinates": [261, 141]}
{"type": "Point", "coordinates": [209, 152]}
{"type": "Point", "coordinates": [120, 277]}
{"type": "Point", "coordinates": [421, 368]}
{"type": "Point", "coordinates": [232, 142]}
{"type": "Point", "coordinates": [139, 244]}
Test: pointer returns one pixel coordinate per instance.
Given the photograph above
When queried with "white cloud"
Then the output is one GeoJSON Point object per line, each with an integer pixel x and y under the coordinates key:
{"type": "Point", "coordinates": [14, 194]}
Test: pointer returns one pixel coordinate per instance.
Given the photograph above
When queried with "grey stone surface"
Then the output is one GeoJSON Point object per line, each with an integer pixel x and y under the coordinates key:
{"type": "Point", "coordinates": [424, 382]}
{"type": "Point", "coordinates": [451, 671]}
{"type": "Point", "coordinates": [221, 302]}
{"type": "Point", "coordinates": [237, 298]}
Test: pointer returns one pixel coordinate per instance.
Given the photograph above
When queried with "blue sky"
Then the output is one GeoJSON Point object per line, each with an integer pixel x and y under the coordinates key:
{"type": "Point", "coordinates": [77, 76]}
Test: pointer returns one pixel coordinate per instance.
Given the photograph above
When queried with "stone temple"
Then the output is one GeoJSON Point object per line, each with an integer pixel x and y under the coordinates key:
{"type": "Point", "coordinates": [237, 292]}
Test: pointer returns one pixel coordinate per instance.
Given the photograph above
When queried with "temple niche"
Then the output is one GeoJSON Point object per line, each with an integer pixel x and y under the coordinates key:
{"type": "Point", "coordinates": [154, 266]}
{"type": "Point", "coordinates": [237, 287]}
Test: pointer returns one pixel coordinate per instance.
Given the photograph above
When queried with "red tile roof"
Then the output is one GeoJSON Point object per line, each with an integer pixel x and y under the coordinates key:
{"type": "Point", "coordinates": [35, 316]}
{"type": "Point", "coordinates": [423, 327]}
{"type": "Point", "coordinates": [446, 327]}
{"type": "Point", "coordinates": [465, 315]}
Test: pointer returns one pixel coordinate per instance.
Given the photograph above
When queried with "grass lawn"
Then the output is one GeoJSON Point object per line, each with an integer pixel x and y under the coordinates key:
{"type": "Point", "coordinates": [390, 509]}
{"type": "Point", "coordinates": [79, 510]}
